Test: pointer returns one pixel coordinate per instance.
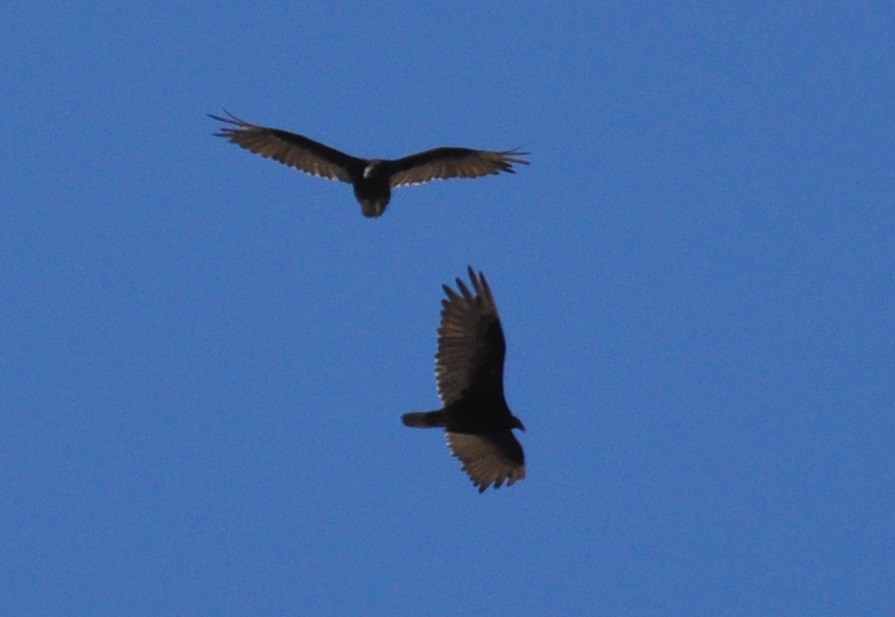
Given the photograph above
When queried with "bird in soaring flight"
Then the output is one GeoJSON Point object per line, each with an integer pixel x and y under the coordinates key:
{"type": "Point", "coordinates": [469, 372]}
{"type": "Point", "coordinates": [372, 179]}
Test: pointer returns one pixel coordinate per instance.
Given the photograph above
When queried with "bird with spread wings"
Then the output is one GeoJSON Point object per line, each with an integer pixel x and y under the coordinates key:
{"type": "Point", "coordinates": [469, 372]}
{"type": "Point", "coordinates": [372, 179]}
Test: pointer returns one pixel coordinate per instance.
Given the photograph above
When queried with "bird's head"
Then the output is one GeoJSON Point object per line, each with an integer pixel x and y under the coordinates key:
{"type": "Point", "coordinates": [372, 208]}
{"type": "Point", "coordinates": [517, 423]}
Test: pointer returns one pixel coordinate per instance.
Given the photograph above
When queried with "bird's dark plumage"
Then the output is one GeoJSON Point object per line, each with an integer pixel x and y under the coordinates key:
{"type": "Point", "coordinates": [469, 372]}
{"type": "Point", "coordinates": [373, 179]}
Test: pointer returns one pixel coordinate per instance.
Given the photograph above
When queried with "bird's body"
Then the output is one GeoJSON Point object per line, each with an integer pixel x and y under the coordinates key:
{"type": "Point", "coordinates": [473, 413]}
{"type": "Point", "coordinates": [372, 179]}
{"type": "Point", "coordinates": [372, 189]}
{"type": "Point", "coordinates": [469, 371]}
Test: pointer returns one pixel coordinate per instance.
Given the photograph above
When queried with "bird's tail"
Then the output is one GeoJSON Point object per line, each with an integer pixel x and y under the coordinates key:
{"type": "Point", "coordinates": [424, 419]}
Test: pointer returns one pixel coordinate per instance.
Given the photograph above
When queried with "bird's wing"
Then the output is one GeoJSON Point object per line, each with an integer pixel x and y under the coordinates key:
{"type": "Point", "coordinates": [443, 163]}
{"type": "Point", "coordinates": [471, 346]}
{"type": "Point", "coordinates": [489, 458]}
{"type": "Point", "coordinates": [290, 149]}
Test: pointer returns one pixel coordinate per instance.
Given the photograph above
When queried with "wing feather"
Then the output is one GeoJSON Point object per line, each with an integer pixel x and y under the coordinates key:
{"type": "Point", "coordinates": [471, 345]}
{"type": "Point", "coordinates": [296, 151]}
{"type": "Point", "coordinates": [443, 163]}
{"type": "Point", "coordinates": [489, 458]}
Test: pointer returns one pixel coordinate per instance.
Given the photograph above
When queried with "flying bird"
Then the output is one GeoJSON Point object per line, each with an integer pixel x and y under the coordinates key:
{"type": "Point", "coordinates": [469, 372]}
{"type": "Point", "coordinates": [372, 179]}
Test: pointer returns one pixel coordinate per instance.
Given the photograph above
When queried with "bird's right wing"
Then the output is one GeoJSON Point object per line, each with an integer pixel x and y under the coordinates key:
{"type": "Point", "coordinates": [489, 458]}
{"type": "Point", "coordinates": [290, 149]}
{"type": "Point", "coordinates": [444, 163]}
{"type": "Point", "coordinates": [471, 345]}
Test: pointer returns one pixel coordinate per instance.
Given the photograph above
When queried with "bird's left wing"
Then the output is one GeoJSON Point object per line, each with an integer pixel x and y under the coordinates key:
{"type": "Point", "coordinates": [443, 163]}
{"type": "Point", "coordinates": [296, 151]}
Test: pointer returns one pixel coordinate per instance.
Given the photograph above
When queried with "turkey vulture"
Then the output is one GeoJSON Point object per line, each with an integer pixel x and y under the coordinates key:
{"type": "Point", "coordinates": [469, 371]}
{"type": "Point", "coordinates": [373, 179]}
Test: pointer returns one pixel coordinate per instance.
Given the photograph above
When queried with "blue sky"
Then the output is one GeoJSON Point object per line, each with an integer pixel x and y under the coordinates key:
{"type": "Point", "coordinates": [205, 355]}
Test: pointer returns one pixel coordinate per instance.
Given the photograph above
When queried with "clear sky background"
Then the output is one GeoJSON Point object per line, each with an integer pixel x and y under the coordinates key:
{"type": "Point", "coordinates": [205, 355]}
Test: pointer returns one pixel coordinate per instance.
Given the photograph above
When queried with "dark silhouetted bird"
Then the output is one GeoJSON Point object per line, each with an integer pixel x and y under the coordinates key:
{"type": "Point", "coordinates": [469, 371]}
{"type": "Point", "coordinates": [373, 179]}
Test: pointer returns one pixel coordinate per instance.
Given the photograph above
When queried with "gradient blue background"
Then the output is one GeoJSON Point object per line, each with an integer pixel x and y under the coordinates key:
{"type": "Point", "coordinates": [205, 354]}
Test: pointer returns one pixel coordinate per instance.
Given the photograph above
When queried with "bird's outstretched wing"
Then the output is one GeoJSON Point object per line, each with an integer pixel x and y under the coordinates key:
{"type": "Point", "coordinates": [290, 149]}
{"type": "Point", "coordinates": [443, 163]}
{"type": "Point", "coordinates": [489, 458]}
{"type": "Point", "coordinates": [471, 346]}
